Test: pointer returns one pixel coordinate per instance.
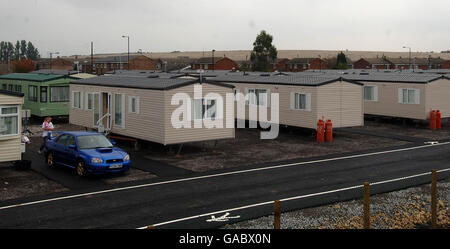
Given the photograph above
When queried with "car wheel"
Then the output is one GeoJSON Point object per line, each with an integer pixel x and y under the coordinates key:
{"type": "Point", "coordinates": [81, 169]}
{"type": "Point", "coordinates": [50, 159]}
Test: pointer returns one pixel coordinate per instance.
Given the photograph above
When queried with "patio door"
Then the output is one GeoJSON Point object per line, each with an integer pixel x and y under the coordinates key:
{"type": "Point", "coordinates": [97, 108]}
{"type": "Point", "coordinates": [102, 110]}
{"type": "Point", "coordinates": [106, 110]}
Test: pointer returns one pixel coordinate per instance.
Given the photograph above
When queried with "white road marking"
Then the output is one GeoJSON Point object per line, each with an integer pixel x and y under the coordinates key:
{"type": "Point", "coordinates": [289, 199]}
{"type": "Point", "coordinates": [222, 218]}
{"type": "Point", "coordinates": [217, 175]}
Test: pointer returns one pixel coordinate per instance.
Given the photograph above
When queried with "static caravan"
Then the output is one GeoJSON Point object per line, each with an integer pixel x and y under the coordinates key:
{"type": "Point", "coordinates": [303, 99]}
{"type": "Point", "coordinates": [144, 108]}
{"type": "Point", "coordinates": [10, 125]}
{"type": "Point", "coordinates": [45, 94]}
{"type": "Point", "coordinates": [404, 95]}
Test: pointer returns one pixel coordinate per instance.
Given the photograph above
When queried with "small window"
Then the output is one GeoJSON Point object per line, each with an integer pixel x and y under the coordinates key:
{"type": "Point", "coordinates": [119, 109]}
{"type": "Point", "coordinates": [211, 109]}
{"type": "Point", "coordinates": [76, 101]}
{"type": "Point", "coordinates": [199, 109]}
{"type": "Point", "coordinates": [133, 104]}
{"type": "Point", "coordinates": [18, 88]}
{"type": "Point", "coordinates": [9, 120]}
{"type": "Point", "coordinates": [59, 94]}
{"type": "Point", "coordinates": [10, 87]}
{"type": "Point", "coordinates": [32, 93]}
{"type": "Point", "coordinates": [301, 101]}
{"type": "Point", "coordinates": [43, 94]}
{"type": "Point", "coordinates": [408, 96]}
{"type": "Point", "coordinates": [4, 86]}
{"type": "Point", "coordinates": [205, 109]}
{"type": "Point", "coordinates": [89, 101]}
{"type": "Point", "coordinates": [257, 97]}
{"type": "Point", "coordinates": [370, 93]}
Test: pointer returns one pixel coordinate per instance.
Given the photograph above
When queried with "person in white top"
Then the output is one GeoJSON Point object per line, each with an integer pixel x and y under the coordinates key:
{"type": "Point", "coordinates": [47, 128]}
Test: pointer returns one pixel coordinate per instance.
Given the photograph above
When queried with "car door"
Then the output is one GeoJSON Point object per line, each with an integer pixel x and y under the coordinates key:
{"type": "Point", "coordinates": [59, 148]}
{"type": "Point", "coordinates": [70, 153]}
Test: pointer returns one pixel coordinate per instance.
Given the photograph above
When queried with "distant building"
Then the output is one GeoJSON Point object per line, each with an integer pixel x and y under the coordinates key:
{"type": "Point", "coordinates": [446, 65]}
{"type": "Point", "coordinates": [317, 64]}
{"type": "Point", "coordinates": [111, 63]}
{"type": "Point", "coordinates": [303, 64]}
{"type": "Point", "coordinates": [54, 63]}
{"type": "Point", "coordinates": [372, 63]}
{"type": "Point", "coordinates": [280, 65]}
{"type": "Point", "coordinates": [206, 63]}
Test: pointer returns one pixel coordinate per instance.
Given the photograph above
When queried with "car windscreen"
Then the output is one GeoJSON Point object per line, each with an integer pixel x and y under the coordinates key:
{"type": "Point", "coordinates": [93, 141]}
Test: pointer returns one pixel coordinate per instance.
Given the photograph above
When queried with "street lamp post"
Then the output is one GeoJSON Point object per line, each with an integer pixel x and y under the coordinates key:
{"type": "Point", "coordinates": [128, 57]}
{"type": "Point", "coordinates": [52, 53]}
{"type": "Point", "coordinates": [213, 59]}
{"type": "Point", "coordinates": [409, 60]}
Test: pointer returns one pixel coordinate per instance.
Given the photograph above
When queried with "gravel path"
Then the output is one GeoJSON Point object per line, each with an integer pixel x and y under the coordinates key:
{"type": "Point", "coordinates": [405, 209]}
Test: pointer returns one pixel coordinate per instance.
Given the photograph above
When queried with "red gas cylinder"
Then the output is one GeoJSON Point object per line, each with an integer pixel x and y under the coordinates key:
{"type": "Point", "coordinates": [320, 131]}
{"type": "Point", "coordinates": [329, 131]}
{"type": "Point", "coordinates": [438, 120]}
{"type": "Point", "coordinates": [433, 120]}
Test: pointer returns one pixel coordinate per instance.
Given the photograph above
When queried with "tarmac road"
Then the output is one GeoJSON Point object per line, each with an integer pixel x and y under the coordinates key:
{"type": "Point", "coordinates": [246, 193]}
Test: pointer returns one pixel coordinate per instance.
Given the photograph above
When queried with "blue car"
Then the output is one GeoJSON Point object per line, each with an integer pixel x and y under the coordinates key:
{"type": "Point", "coordinates": [87, 152]}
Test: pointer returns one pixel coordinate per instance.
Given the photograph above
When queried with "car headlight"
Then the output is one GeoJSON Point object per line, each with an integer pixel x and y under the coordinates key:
{"type": "Point", "coordinates": [96, 160]}
{"type": "Point", "coordinates": [126, 158]}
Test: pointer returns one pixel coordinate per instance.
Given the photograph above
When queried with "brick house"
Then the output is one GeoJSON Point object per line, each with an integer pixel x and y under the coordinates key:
{"type": "Point", "coordinates": [298, 64]}
{"type": "Point", "coordinates": [372, 63]}
{"type": "Point", "coordinates": [280, 65]}
{"type": "Point", "coordinates": [111, 63]}
{"type": "Point", "coordinates": [416, 63]}
{"type": "Point", "coordinates": [317, 64]}
{"type": "Point", "coordinates": [446, 65]}
{"type": "Point", "coordinates": [206, 63]}
{"type": "Point", "coordinates": [436, 63]}
{"type": "Point", "coordinates": [55, 63]}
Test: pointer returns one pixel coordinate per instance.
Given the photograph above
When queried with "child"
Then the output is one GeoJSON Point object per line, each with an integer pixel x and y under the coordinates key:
{"type": "Point", "coordinates": [47, 128]}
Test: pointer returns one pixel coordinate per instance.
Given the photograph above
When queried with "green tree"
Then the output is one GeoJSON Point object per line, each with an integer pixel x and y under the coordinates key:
{"type": "Point", "coordinates": [17, 51]}
{"type": "Point", "coordinates": [264, 53]}
{"type": "Point", "coordinates": [3, 47]}
{"type": "Point", "coordinates": [23, 49]}
{"type": "Point", "coordinates": [32, 52]}
{"type": "Point", "coordinates": [341, 61]}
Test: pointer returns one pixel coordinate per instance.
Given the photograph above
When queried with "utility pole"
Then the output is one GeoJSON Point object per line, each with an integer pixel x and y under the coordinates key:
{"type": "Point", "coordinates": [409, 61]}
{"type": "Point", "coordinates": [213, 59]}
{"type": "Point", "coordinates": [52, 53]}
{"type": "Point", "coordinates": [92, 57]}
{"type": "Point", "coordinates": [128, 57]}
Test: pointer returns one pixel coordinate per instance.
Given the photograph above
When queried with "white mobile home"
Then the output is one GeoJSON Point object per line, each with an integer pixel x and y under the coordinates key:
{"type": "Point", "coordinates": [10, 125]}
{"type": "Point", "coordinates": [303, 99]}
{"type": "Point", "coordinates": [405, 95]}
{"type": "Point", "coordinates": [142, 108]}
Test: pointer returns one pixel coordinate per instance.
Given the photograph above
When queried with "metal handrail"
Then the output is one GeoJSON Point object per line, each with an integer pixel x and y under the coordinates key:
{"type": "Point", "coordinates": [107, 114]}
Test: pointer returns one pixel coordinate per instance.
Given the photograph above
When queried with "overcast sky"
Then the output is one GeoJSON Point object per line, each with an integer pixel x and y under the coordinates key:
{"type": "Point", "coordinates": [69, 26]}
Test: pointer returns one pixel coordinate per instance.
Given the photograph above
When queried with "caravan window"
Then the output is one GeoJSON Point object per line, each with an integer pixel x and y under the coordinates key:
{"type": "Point", "coordinates": [370, 93]}
{"type": "Point", "coordinates": [119, 107]}
{"type": "Point", "coordinates": [408, 96]}
{"type": "Point", "coordinates": [59, 94]}
{"type": "Point", "coordinates": [43, 94]}
{"type": "Point", "coordinates": [32, 93]}
{"type": "Point", "coordinates": [9, 117]}
{"type": "Point", "coordinates": [257, 97]}
{"type": "Point", "coordinates": [76, 100]}
{"type": "Point", "coordinates": [301, 101]}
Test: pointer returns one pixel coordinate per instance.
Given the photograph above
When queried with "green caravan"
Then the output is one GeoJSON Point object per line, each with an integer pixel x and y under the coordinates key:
{"type": "Point", "coordinates": [44, 94]}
